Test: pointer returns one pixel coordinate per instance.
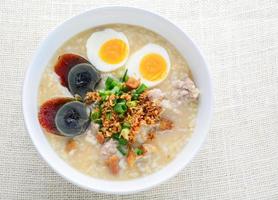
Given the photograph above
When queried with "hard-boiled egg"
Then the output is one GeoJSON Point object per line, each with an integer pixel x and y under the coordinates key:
{"type": "Point", "coordinates": [151, 64]}
{"type": "Point", "coordinates": [107, 50]}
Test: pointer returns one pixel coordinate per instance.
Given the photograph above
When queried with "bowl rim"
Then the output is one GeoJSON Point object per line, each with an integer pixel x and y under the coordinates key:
{"type": "Point", "coordinates": [112, 187]}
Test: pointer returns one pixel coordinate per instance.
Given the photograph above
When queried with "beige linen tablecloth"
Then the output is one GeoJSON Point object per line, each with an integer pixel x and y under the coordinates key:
{"type": "Point", "coordinates": [239, 39]}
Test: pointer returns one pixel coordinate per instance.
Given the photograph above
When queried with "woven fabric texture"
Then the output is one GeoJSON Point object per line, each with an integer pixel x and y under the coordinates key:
{"type": "Point", "coordinates": [239, 39]}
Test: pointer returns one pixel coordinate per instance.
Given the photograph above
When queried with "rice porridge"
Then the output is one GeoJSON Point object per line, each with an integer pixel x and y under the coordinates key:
{"type": "Point", "coordinates": [126, 106]}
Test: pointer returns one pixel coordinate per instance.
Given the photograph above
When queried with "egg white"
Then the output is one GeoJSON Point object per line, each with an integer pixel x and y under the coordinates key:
{"type": "Point", "coordinates": [94, 43]}
{"type": "Point", "coordinates": [133, 63]}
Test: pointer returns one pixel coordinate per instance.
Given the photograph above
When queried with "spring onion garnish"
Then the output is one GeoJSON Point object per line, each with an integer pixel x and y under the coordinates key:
{"type": "Point", "coordinates": [125, 77]}
{"type": "Point", "coordinates": [141, 89]}
{"type": "Point", "coordinates": [138, 151]}
{"type": "Point", "coordinates": [120, 108]}
{"type": "Point", "coordinates": [110, 83]}
{"type": "Point", "coordinates": [131, 104]}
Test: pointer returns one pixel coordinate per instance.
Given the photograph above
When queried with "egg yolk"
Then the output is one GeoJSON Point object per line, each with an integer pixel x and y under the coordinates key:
{"type": "Point", "coordinates": [153, 67]}
{"type": "Point", "coordinates": [113, 51]}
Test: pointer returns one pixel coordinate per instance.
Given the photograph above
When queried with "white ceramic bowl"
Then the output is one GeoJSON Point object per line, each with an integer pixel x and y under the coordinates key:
{"type": "Point", "coordinates": [126, 15]}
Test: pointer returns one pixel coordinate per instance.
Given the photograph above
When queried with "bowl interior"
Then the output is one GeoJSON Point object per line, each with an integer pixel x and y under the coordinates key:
{"type": "Point", "coordinates": [124, 15]}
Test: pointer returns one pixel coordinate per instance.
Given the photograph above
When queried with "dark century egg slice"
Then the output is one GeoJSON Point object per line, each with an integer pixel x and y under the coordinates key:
{"type": "Point", "coordinates": [83, 78]}
{"type": "Point", "coordinates": [72, 119]}
{"type": "Point", "coordinates": [48, 112]}
{"type": "Point", "coordinates": [65, 63]}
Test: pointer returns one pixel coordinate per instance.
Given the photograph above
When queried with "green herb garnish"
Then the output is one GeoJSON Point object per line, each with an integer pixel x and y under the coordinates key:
{"type": "Point", "coordinates": [122, 149]}
{"type": "Point", "coordinates": [125, 133]}
{"type": "Point", "coordinates": [98, 121]}
{"type": "Point", "coordinates": [121, 116]}
{"type": "Point", "coordinates": [125, 77]}
{"type": "Point", "coordinates": [116, 136]}
{"type": "Point", "coordinates": [141, 89]}
{"type": "Point", "coordinates": [95, 115]}
{"type": "Point", "coordinates": [120, 139]}
{"type": "Point", "coordinates": [110, 83]}
{"type": "Point", "coordinates": [104, 94]}
{"type": "Point", "coordinates": [122, 143]}
{"type": "Point", "coordinates": [126, 125]}
{"type": "Point", "coordinates": [121, 101]}
{"type": "Point", "coordinates": [120, 108]}
{"type": "Point", "coordinates": [131, 104]}
{"type": "Point", "coordinates": [108, 115]}
{"type": "Point", "coordinates": [138, 151]}
{"type": "Point", "coordinates": [116, 90]}
{"type": "Point", "coordinates": [135, 96]}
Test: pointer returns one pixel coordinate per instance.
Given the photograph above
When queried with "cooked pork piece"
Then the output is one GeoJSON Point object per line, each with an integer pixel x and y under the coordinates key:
{"type": "Point", "coordinates": [155, 94]}
{"type": "Point", "coordinates": [109, 148]}
{"type": "Point", "coordinates": [185, 89]}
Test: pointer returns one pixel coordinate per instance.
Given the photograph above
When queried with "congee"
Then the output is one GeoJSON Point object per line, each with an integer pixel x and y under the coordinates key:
{"type": "Point", "coordinates": [117, 102]}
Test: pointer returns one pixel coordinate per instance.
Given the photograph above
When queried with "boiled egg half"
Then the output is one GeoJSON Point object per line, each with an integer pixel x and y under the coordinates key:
{"type": "Point", "coordinates": [107, 50]}
{"type": "Point", "coordinates": [151, 64]}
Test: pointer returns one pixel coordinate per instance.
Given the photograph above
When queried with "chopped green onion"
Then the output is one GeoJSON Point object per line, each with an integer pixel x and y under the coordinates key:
{"type": "Point", "coordinates": [138, 151]}
{"type": "Point", "coordinates": [122, 141]}
{"type": "Point", "coordinates": [108, 115]}
{"type": "Point", "coordinates": [120, 108]}
{"type": "Point", "coordinates": [121, 116]}
{"type": "Point", "coordinates": [126, 125]}
{"type": "Point", "coordinates": [125, 89]}
{"type": "Point", "coordinates": [135, 96]}
{"type": "Point", "coordinates": [136, 93]}
{"type": "Point", "coordinates": [110, 83]}
{"type": "Point", "coordinates": [116, 90]}
{"type": "Point", "coordinates": [98, 121]}
{"type": "Point", "coordinates": [122, 149]}
{"type": "Point", "coordinates": [104, 94]}
{"type": "Point", "coordinates": [118, 137]}
{"type": "Point", "coordinates": [119, 93]}
{"type": "Point", "coordinates": [141, 89]}
{"type": "Point", "coordinates": [95, 115]}
{"type": "Point", "coordinates": [121, 101]}
{"type": "Point", "coordinates": [125, 77]}
{"type": "Point", "coordinates": [124, 133]}
{"type": "Point", "coordinates": [131, 104]}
